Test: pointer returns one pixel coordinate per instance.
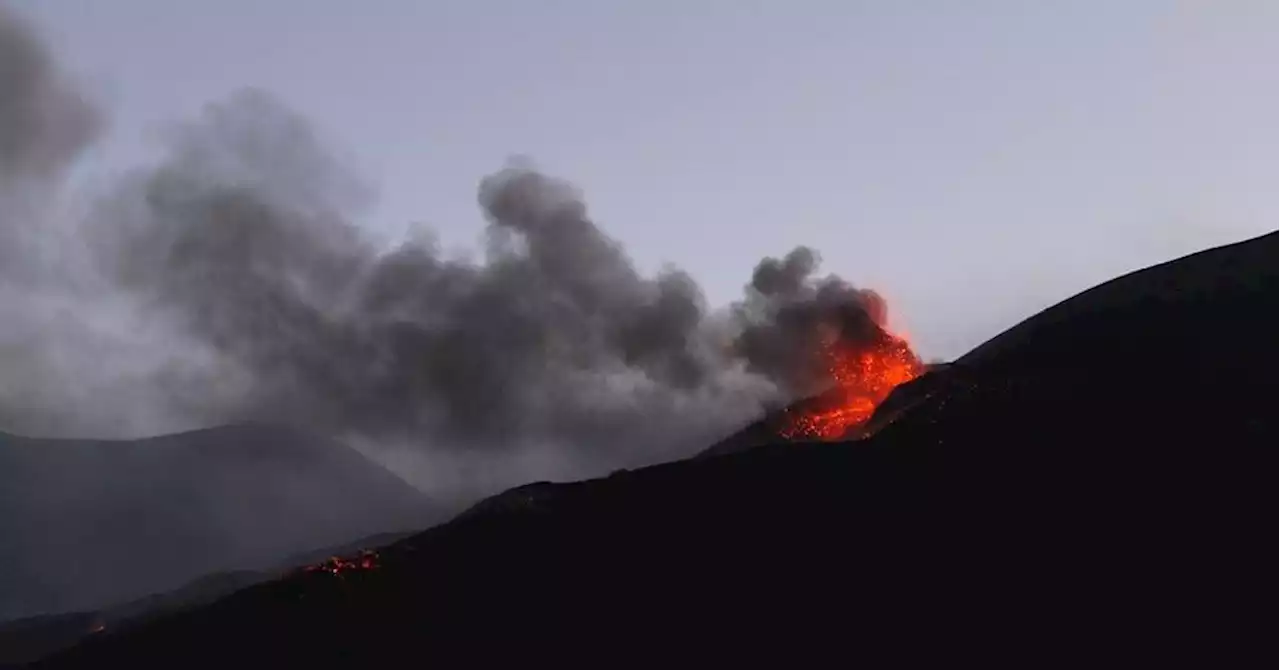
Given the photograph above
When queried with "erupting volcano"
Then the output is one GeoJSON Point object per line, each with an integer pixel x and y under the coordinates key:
{"type": "Point", "coordinates": [863, 376]}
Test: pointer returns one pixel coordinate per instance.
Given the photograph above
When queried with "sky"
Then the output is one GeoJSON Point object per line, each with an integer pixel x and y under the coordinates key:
{"type": "Point", "coordinates": [973, 162]}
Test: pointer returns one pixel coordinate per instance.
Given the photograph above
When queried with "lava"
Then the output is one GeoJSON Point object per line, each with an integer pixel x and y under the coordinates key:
{"type": "Point", "coordinates": [863, 377]}
{"type": "Point", "coordinates": [337, 565]}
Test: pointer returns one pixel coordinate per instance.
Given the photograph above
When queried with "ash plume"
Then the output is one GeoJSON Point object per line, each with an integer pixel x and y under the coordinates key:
{"type": "Point", "coordinates": [789, 314]}
{"type": "Point", "coordinates": [231, 282]}
{"type": "Point", "coordinates": [44, 124]}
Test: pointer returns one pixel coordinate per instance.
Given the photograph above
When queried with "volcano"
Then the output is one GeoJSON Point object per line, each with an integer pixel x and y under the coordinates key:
{"type": "Point", "coordinates": [1090, 487]}
{"type": "Point", "coordinates": [834, 415]}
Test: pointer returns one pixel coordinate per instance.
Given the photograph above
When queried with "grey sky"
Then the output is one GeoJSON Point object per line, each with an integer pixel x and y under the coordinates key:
{"type": "Point", "coordinates": [973, 161]}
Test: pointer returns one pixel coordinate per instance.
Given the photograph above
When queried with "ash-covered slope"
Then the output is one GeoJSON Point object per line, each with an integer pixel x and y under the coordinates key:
{"type": "Point", "coordinates": [1048, 508]}
{"type": "Point", "coordinates": [86, 523]}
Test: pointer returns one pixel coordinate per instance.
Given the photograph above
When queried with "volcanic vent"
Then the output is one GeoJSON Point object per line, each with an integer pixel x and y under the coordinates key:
{"type": "Point", "coordinates": [862, 376]}
{"type": "Point", "coordinates": [829, 347]}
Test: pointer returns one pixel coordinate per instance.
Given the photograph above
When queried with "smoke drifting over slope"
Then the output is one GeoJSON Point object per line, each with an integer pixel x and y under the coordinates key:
{"type": "Point", "coordinates": [264, 300]}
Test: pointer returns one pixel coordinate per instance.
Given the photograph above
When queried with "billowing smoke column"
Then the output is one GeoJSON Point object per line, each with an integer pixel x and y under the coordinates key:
{"type": "Point", "coordinates": [788, 316]}
{"type": "Point", "coordinates": [44, 125]}
{"type": "Point", "coordinates": [240, 247]}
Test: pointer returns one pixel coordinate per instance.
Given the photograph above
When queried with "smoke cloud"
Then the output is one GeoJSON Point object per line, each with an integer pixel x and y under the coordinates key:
{"type": "Point", "coordinates": [788, 315]}
{"type": "Point", "coordinates": [231, 282]}
{"type": "Point", "coordinates": [44, 122]}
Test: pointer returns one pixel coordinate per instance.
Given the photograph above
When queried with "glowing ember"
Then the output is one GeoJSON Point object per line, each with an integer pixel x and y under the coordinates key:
{"type": "Point", "coordinates": [863, 379]}
{"type": "Point", "coordinates": [337, 565]}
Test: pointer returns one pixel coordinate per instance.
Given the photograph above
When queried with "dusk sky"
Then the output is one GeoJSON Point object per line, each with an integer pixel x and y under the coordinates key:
{"type": "Point", "coordinates": [973, 161]}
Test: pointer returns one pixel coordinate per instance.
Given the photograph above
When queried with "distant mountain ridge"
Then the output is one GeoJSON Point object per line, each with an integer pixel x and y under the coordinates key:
{"type": "Point", "coordinates": [87, 523]}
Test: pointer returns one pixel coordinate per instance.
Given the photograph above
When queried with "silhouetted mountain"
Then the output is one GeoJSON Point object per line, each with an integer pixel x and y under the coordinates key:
{"type": "Point", "coordinates": [1092, 487]}
{"type": "Point", "coordinates": [25, 640]}
{"type": "Point", "coordinates": [88, 523]}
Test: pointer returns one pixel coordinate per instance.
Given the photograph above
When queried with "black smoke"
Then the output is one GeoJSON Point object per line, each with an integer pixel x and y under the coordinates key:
{"type": "Point", "coordinates": [240, 252]}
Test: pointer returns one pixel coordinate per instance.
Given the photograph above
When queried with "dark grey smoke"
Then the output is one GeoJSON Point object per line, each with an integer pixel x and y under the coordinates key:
{"type": "Point", "coordinates": [44, 125]}
{"type": "Point", "coordinates": [788, 315]}
{"type": "Point", "coordinates": [44, 122]}
{"type": "Point", "coordinates": [240, 249]}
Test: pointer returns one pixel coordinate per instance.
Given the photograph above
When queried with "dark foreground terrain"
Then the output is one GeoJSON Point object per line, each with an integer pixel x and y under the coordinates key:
{"type": "Point", "coordinates": [29, 638]}
{"type": "Point", "coordinates": [1092, 488]}
{"type": "Point", "coordinates": [91, 523]}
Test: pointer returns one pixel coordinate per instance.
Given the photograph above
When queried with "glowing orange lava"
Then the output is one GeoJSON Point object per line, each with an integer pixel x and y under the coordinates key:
{"type": "Point", "coordinates": [337, 565]}
{"type": "Point", "coordinates": [863, 377]}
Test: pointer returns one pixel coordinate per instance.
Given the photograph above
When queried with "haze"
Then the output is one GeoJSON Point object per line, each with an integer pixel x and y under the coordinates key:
{"type": "Point", "coordinates": [971, 161]}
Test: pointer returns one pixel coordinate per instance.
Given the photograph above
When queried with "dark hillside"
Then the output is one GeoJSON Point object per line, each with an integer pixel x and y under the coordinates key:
{"type": "Point", "coordinates": [1093, 490]}
{"type": "Point", "coordinates": [87, 523]}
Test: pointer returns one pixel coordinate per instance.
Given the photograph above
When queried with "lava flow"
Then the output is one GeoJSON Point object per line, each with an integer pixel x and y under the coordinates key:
{"type": "Point", "coordinates": [863, 378]}
{"type": "Point", "coordinates": [337, 565]}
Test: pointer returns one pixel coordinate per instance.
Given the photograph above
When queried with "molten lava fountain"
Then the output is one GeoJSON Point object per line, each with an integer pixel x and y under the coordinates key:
{"type": "Point", "coordinates": [863, 377]}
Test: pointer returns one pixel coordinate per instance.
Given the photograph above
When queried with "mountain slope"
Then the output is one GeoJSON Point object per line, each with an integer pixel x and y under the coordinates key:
{"type": "Point", "coordinates": [1045, 508]}
{"type": "Point", "coordinates": [1123, 320]}
{"type": "Point", "coordinates": [1191, 306]}
{"type": "Point", "coordinates": [25, 640]}
{"type": "Point", "coordinates": [85, 523]}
